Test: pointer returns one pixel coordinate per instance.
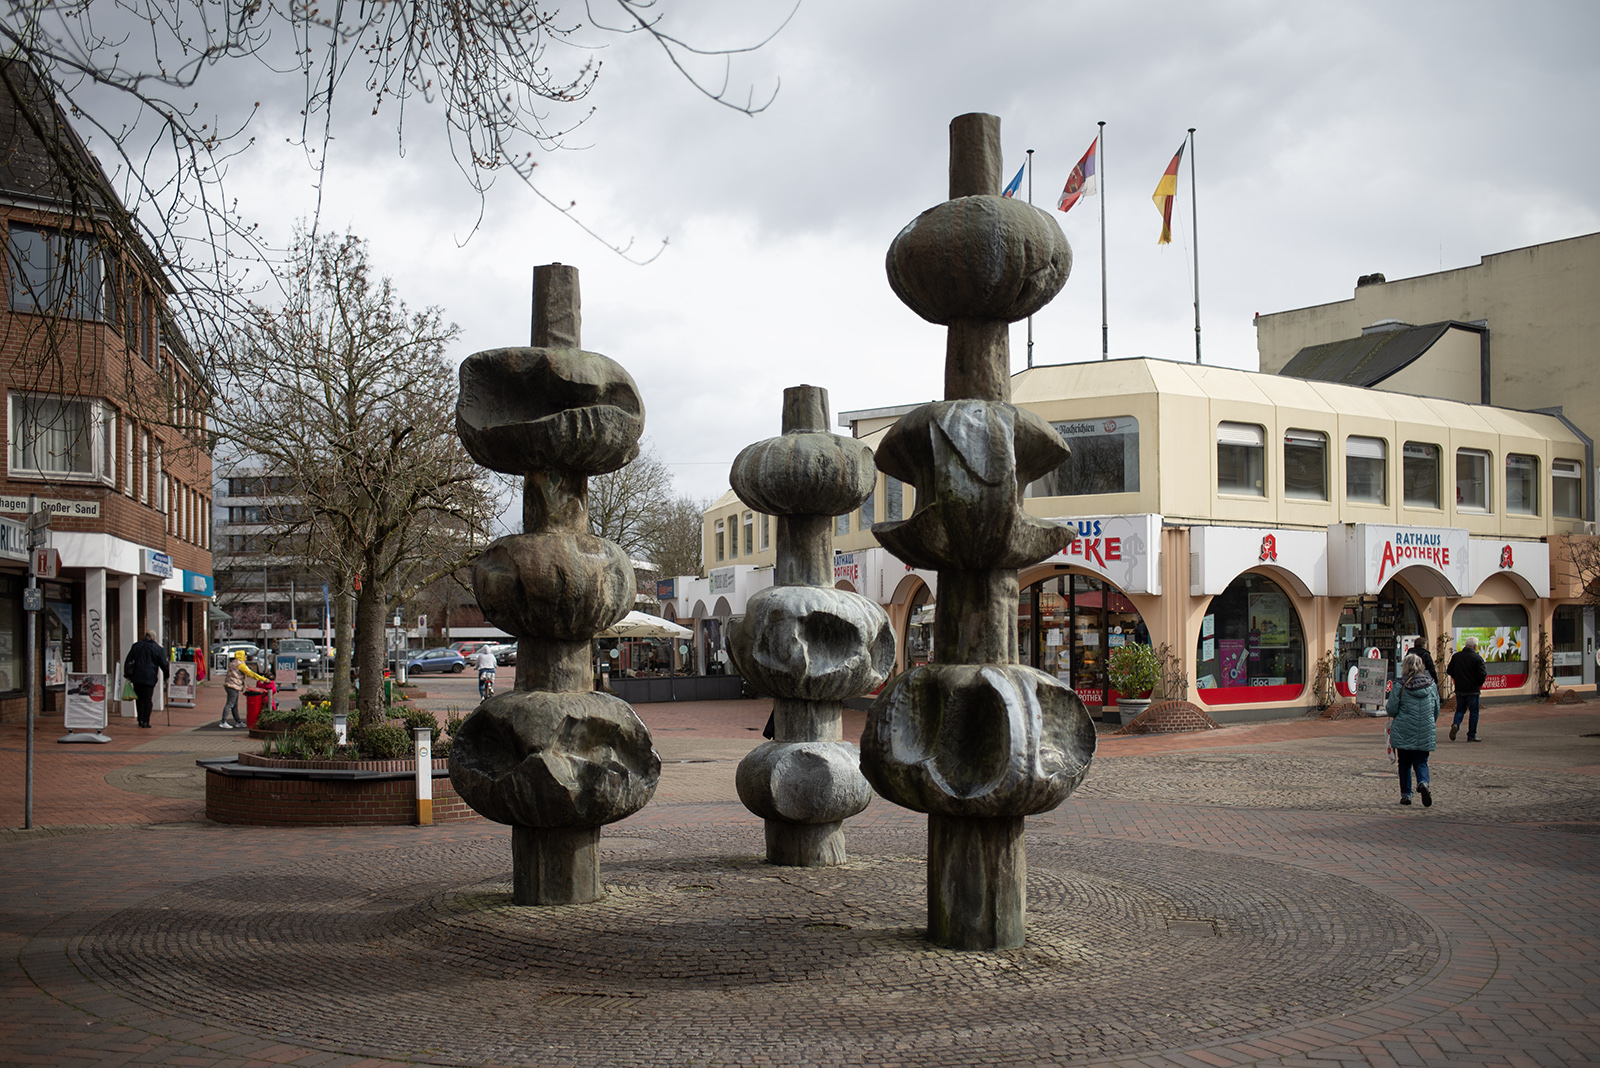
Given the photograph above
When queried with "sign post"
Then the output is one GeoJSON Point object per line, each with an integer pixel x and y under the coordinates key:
{"type": "Point", "coordinates": [32, 602]}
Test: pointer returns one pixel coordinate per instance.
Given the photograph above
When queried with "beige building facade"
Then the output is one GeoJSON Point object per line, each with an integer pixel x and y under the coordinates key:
{"type": "Point", "coordinates": [1271, 532]}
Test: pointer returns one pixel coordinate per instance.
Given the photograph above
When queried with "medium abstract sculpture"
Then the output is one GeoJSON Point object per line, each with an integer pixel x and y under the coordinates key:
{"type": "Point", "coordinates": [803, 643]}
{"type": "Point", "coordinates": [552, 758]}
{"type": "Point", "coordinates": [974, 739]}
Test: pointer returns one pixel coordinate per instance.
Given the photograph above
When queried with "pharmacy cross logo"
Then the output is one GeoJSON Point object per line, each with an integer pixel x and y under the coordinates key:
{"type": "Point", "coordinates": [1505, 556]}
{"type": "Point", "coordinates": [1269, 547]}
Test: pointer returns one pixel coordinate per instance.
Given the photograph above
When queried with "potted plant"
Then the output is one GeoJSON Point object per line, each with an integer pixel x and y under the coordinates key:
{"type": "Point", "coordinates": [1133, 671]}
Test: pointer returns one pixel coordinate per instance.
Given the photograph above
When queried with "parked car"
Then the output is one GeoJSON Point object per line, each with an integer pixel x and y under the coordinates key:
{"type": "Point", "coordinates": [505, 653]}
{"type": "Point", "coordinates": [467, 649]}
{"type": "Point", "coordinates": [436, 660]}
{"type": "Point", "coordinates": [252, 652]}
{"type": "Point", "coordinates": [304, 651]}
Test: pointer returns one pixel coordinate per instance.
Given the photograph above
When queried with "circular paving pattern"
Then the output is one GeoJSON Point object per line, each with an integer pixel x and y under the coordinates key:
{"type": "Point", "coordinates": [696, 955]}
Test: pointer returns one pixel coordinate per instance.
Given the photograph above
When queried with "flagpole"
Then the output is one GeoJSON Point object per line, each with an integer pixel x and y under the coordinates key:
{"type": "Point", "coordinates": [1030, 204]}
{"type": "Point", "coordinates": [1100, 172]}
{"type": "Point", "coordinates": [1195, 219]}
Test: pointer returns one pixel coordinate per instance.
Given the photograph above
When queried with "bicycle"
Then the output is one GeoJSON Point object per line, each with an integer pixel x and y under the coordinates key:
{"type": "Point", "coordinates": [485, 683]}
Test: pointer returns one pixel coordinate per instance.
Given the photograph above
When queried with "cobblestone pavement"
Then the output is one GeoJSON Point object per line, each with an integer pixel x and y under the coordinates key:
{"type": "Point", "coordinates": [1246, 896]}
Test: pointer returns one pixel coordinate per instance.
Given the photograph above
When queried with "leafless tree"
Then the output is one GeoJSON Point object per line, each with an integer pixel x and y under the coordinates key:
{"type": "Point", "coordinates": [675, 546]}
{"type": "Point", "coordinates": [627, 505]}
{"type": "Point", "coordinates": [347, 394]}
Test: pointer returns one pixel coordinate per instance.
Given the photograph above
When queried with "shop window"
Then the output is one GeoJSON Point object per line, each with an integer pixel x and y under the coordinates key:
{"type": "Point", "coordinates": [1305, 465]}
{"type": "Point", "coordinates": [1502, 633]}
{"type": "Point", "coordinates": [1522, 484]}
{"type": "Point", "coordinates": [1566, 644]}
{"type": "Point", "coordinates": [1067, 625]}
{"type": "Point", "coordinates": [766, 532]}
{"type": "Point", "coordinates": [749, 533]}
{"type": "Point", "coordinates": [919, 629]}
{"type": "Point", "coordinates": [59, 436]}
{"type": "Point", "coordinates": [1105, 459]}
{"type": "Point", "coordinates": [55, 272]}
{"type": "Point", "coordinates": [720, 536]}
{"type": "Point", "coordinates": [869, 510]}
{"type": "Point", "coordinates": [841, 525]}
{"type": "Point", "coordinates": [12, 641]}
{"type": "Point", "coordinates": [1419, 474]}
{"type": "Point", "coordinates": [1241, 459]}
{"type": "Point", "coordinates": [1374, 627]}
{"type": "Point", "coordinates": [1366, 470]}
{"type": "Point", "coordinates": [894, 499]}
{"type": "Point", "coordinates": [1472, 480]}
{"type": "Point", "coordinates": [1566, 489]}
{"type": "Point", "coordinates": [1251, 646]}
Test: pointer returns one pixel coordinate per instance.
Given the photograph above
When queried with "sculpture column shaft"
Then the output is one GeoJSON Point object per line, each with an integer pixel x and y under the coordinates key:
{"type": "Point", "coordinates": [555, 865]}
{"type": "Point", "coordinates": [977, 360]}
{"type": "Point", "coordinates": [554, 665]}
{"type": "Point", "coordinates": [555, 501]}
{"type": "Point", "coordinates": [976, 621]}
{"type": "Point", "coordinates": [804, 550]}
{"type": "Point", "coordinates": [798, 720]}
{"type": "Point", "coordinates": [977, 882]}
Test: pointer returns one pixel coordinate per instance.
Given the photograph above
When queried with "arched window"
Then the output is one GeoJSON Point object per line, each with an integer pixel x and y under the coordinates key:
{"type": "Point", "coordinates": [1251, 645]}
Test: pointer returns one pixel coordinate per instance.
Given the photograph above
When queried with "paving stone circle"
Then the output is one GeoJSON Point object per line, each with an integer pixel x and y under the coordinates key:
{"type": "Point", "coordinates": [702, 953]}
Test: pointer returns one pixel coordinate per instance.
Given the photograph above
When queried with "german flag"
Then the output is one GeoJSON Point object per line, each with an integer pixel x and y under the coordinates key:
{"type": "Point", "coordinates": [1166, 189]}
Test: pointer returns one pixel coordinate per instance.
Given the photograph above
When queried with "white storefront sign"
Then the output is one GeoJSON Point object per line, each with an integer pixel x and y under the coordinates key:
{"type": "Point", "coordinates": [53, 505]}
{"type": "Point", "coordinates": [13, 540]}
{"type": "Point", "coordinates": [1529, 561]}
{"type": "Point", "coordinates": [1363, 557]}
{"type": "Point", "coordinates": [722, 580]}
{"type": "Point", "coordinates": [847, 568]}
{"type": "Point", "coordinates": [1123, 549]}
{"type": "Point", "coordinates": [154, 563]}
{"type": "Point", "coordinates": [1218, 555]}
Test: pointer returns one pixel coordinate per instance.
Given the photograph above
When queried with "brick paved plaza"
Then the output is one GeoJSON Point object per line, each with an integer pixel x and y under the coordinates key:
{"type": "Point", "coordinates": [1253, 895]}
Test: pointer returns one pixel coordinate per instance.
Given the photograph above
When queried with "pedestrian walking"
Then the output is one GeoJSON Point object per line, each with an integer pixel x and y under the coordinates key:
{"type": "Point", "coordinates": [1414, 706]}
{"type": "Point", "coordinates": [1420, 647]}
{"type": "Point", "coordinates": [144, 666]}
{"type": "Point", "coordinates": [233, 685]}
{"type": "Point", "coordinates": [1468, 671]}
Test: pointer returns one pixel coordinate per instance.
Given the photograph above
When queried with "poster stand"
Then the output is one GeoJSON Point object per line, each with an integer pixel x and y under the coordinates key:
{"type": "Point", "coordinates": [85, 714]}
{"type": "Point", "coordinates": [1372, 684]}
{"type": "Point", "coordinates": [180, 684]}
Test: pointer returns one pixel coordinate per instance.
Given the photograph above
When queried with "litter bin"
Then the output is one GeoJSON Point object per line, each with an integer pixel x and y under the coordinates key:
{"type": "Point", "coordinates": [253, 700]}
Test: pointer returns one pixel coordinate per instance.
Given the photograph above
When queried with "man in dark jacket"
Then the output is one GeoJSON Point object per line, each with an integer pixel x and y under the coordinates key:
{"type": "Point", "coordinates": [1468, 672]}
{"type": "Point", "coordinates": [146, 664]}
{"type": "Point", "coordinates": [1420, 648]}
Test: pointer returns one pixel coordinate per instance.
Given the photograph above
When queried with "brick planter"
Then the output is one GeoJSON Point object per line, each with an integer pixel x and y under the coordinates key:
{"type": "Point", "coordinates": [301, 793]}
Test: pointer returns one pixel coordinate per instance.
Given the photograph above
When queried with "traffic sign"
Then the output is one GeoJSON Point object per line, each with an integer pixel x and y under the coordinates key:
{"type": "Point", "coordinates": [32, 598]}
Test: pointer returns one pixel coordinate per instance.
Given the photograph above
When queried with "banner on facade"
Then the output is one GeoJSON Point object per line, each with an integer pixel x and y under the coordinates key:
{"type": "Point", "coordinates": [721, 579]}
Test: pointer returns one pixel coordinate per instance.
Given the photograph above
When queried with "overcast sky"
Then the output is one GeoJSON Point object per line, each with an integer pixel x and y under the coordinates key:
{"type": "Point", "coordinates": [1333, 140]}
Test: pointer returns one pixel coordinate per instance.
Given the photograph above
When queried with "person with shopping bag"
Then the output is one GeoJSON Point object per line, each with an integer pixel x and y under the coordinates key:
{"type": "Point", "coordinates": [1414, 707]}
{"type": "Point", "coordinates": [233, 686]}
{"type": "Point", "coordinates": [145, 664]}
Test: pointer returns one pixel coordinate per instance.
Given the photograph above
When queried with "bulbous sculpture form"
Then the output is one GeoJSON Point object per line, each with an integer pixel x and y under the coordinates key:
{"type": "Point", "coordinates": [803, 643]}
{"type": "Point", "coordinates": [974, 739]}
{"type": "Point", "coordinates": [551, 758]}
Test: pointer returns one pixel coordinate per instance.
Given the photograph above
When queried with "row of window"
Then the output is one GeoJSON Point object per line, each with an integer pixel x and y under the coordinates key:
{"type": "Point", "coordinates": [61, 272]}
{"type": "Point", "coordinates": [1241, 469]}
{"type": "Point", "coordinates": [77, 439]}
{"type": "Point", "coordinates": [261, 486]}
{"type": "Point", "coordinates": [727, 536]}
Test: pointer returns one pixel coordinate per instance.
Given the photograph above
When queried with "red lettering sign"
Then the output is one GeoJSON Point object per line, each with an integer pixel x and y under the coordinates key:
{"type": "Point", "coordinates": [1269, 547]}
{"type": "Point", "coordinates": [1505, 556]}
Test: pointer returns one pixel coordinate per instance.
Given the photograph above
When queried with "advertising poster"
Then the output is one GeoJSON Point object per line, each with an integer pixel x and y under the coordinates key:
{"type": "Point", "coordinates": [180, 683]}
{"type": "Point", "coordinates": [286, 672]}
{"type": "Point", "coordinates": [1504, 651]}
{"type": "Point", "coordinates": [1235, 666]}
{"type": "Point", "coordinates": [86, 703]}
{"type": "Point", "coordinates": [1269, 617]}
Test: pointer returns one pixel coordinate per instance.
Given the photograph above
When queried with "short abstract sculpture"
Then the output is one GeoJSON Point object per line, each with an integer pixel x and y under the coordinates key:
{"type": "Point", "coordinates": [802, 642]}
{"type": "Point", "coordinates": [974, 739]}
{"type": "Point", "coordinates": [552, 758]}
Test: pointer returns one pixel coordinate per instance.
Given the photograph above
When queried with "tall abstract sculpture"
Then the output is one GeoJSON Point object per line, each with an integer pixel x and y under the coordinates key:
{"type": "Point", "coordinates": [552, 758]}
{"type": "Point", "coordinates": [974, 739]}
{"type": "Point", "coordinates": [802, 642]}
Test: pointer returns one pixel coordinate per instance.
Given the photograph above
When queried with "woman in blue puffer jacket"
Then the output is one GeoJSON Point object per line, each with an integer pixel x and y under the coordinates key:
{"type": "Point", "coordinates": [1414, 705]}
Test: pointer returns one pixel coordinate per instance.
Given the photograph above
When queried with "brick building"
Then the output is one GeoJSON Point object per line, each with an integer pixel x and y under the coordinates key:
{"type": "Point", "coordinates": [105, 415]}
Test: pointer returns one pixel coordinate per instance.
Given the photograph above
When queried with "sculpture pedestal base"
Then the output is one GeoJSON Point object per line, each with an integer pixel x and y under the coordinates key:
{"type": "Point", "coordinates": [805, 845]}
{"type": "Point", "coordinates": [555, 865]}
{"type": "Point", "coordinates": [977, 882]}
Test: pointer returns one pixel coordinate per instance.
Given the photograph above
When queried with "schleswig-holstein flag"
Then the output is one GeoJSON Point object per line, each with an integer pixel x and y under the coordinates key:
{"type": "Point", "coordinates": [1166, 189]}
{"type": "Point", "coordinates": [1016, 183]}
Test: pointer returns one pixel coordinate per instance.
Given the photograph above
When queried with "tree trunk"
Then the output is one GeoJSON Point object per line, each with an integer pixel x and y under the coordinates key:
{"type": "Point", "coordinates": [369, 652]}
{"type": "Point", "coordinates": [343, 633]}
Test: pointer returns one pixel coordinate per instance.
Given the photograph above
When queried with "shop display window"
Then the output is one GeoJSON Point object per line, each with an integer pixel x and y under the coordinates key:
{"type": "Point", "coordinates": [11, 633]}
{"type": "Point", "coordinates": [1502, 633]}
{"type": "Point", "coordinates": [1566, 644]}
{"type": "Point", "coordinates": [1566, 489]}
{"type": "Point", "coordinates": [1522, 484]}
{"type": "Point", "coordinates": [1067, 625]}
{"type": "Point", "coordinates": [1472, 480]}
{"type": "Point", "coordinates": [1105, 459]}
{"type": "Point", "coordinates": [1380, 627]}
{"type": "Point", "coordinates": [1251, 645]}
{"type": "Point", "coordinates": [919, 629]}
{"type": "Point", "coordinates": [1241, 459]}
{"type": "Point", "coordinates": [1420, 474]}
{"type": "Point", "coordinates": [1305, 465]}
{"type": "Point", "coordinates": [1366, 470]}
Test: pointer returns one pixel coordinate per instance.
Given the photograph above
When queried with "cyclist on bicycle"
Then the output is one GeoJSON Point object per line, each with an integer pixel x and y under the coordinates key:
{"type": "Point", "coordinates": [486, 662]}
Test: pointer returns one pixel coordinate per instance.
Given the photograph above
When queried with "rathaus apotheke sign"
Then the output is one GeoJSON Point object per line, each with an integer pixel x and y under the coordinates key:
{"type": "Point", "coordinates": [1363, 557]}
